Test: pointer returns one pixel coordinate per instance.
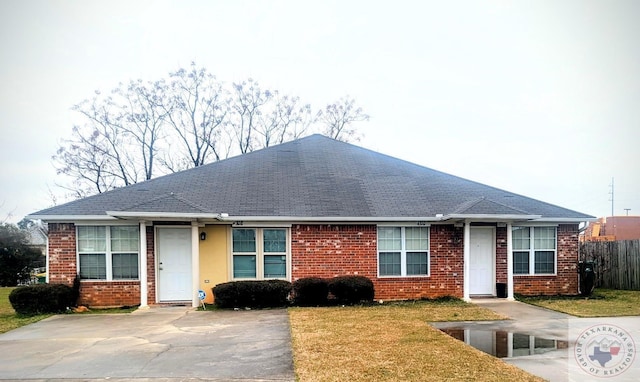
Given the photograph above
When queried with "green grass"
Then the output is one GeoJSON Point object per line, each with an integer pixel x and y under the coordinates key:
{"type": "Point", "coordinates": [602, 303]}
{"type": "Point", "coordinates": [392, 342]}
{"type": "Point", "coordinates": [9, 320]}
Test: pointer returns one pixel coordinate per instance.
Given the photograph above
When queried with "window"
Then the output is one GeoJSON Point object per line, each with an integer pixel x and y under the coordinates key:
{"type": "Point", "coordinates": [403, 251]}
{"type": "Point", "coordinates": [259, 253]}
{"type": "Point", "coordinates": [534, 250]}
{"type": "Point", "coordinates": [108, 253]}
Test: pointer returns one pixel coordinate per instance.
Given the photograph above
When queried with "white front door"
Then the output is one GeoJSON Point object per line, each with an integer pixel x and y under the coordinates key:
{"type": "Point", "coordinates": [174, 264]}
{"type": "Point", "coordinates": [481, 261]}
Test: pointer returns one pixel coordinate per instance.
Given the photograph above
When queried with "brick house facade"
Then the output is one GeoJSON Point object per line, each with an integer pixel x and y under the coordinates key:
{"type": "Point", "coordinates": [326, 250]}
{"type": "Point", "coordinates": [311, 207]}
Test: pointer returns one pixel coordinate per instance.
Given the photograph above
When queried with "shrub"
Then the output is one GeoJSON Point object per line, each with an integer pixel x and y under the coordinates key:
{"type": "Point", "coordinates": [41, 298]}
{"type": "Point", "coordinates": [310, 291]}
{"type": "Point", "coordinates": [351, 289]}
{"type": "Point", "coordinates": [252, 294]}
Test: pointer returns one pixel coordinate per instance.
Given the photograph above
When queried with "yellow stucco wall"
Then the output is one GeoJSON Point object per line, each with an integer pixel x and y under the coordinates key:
{"type": "Point", "coordinates": [213, 259]}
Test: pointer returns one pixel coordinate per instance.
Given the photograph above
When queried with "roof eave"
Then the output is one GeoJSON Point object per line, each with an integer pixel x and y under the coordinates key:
{"type": "Point", "coordinates": [568, 220]}
{"type": "Point", "coordinates": [336, 219]}
{"type": "Point", "coordinates": [69, 218]}
{"type": "Point", "coordinates": [174, 216]}
{"type": "Point", "coordinates": [492, 217]}
{"type": "Point", "coordinates": [179, 216]}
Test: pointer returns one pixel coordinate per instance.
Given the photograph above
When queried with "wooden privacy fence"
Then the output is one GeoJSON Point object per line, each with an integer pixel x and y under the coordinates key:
{"type": "Point", "coordinates": [617, 263]}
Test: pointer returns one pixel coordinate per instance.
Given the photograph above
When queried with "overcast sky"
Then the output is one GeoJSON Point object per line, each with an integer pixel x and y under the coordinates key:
{"type": "Point", "coordinates": [540, 98]}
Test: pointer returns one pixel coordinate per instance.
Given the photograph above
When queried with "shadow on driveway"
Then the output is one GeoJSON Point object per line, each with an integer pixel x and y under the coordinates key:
{"type": "Point", "coordinates": [173, 343]}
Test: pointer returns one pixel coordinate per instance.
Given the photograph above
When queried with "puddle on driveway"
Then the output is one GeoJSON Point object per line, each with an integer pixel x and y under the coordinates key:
{"type": "Point", "coordinates": [505, 344]}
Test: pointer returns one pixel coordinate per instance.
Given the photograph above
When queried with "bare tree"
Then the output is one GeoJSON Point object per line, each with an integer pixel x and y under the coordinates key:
{"type": "Point", "coordinates": [143, 120]}
{"type": "Point", "coordinates": [197, 107]}
{"type": "Point", "coordinates": [285, 119]}
{"type": "Point", "coordinates": [248, 106]}
{"type": "Point", "coordinates": [117, 145]}
{"type": "Point", "coordinates": [187, 119]}
{"type": "Point", "coordinates": [337, 119]}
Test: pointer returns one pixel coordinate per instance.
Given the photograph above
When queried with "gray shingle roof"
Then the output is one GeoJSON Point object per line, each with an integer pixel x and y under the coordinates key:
{"type": "Point", "coordinates": [313, 177]}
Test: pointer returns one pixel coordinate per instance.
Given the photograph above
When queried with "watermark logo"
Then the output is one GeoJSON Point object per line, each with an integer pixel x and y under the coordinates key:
{"type": "Point", "coordinates": [605, 350]}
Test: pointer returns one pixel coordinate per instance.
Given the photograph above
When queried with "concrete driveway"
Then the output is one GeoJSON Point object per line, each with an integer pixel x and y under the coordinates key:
{"type": "Point", "coordinates": [160, 344]}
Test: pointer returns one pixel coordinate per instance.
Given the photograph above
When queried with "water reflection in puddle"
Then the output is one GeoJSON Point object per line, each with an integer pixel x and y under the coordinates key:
{"type": "Point", "coordinates": [503, 344]}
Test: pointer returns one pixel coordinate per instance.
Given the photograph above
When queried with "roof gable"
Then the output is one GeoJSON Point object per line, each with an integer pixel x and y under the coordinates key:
{"type": "Point", "coordinates": [312, 177]}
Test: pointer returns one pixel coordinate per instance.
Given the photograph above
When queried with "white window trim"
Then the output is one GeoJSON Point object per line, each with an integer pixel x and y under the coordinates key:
{"type": "Point", "coordinates": [532, 251]}
{"type": "Point", "coordinates": [108, 254]}
{"type": "Point", "coordinates": [403, 252]}
{"type": "Point", "coordinates": [260, 254]}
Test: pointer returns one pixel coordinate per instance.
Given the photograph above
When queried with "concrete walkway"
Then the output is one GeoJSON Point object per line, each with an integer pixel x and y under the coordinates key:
{"type": "Point", "coordinates": [558, 365]}
{"type": "Point", "coordinates": [157, 344]}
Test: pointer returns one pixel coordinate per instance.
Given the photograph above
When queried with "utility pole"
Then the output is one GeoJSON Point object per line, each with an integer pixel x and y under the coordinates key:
{"type": "Point", "coordinates": [611, 193]}
{"type": "Point", "coordinates": [627, 210]}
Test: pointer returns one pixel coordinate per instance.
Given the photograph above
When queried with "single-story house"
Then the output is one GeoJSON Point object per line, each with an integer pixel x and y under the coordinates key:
{"type": "Point", "coordinates": [311, 207]}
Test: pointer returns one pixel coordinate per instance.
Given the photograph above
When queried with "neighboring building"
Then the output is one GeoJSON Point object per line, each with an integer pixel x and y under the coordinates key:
{"type": "Point", "coordinates": [311, 207]}
{"type": "Point", "coordinates": [37, 236]}
{"type": "Point", "coordinates": [613, 228]}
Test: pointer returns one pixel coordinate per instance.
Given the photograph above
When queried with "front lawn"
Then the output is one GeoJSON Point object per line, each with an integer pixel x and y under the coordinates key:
{"type": "Point", "coordinates": [392, 342]}
{"type": "Point", "coordinates": [603, 303]}
{"type": "Point", "coordinates": [9, 320]}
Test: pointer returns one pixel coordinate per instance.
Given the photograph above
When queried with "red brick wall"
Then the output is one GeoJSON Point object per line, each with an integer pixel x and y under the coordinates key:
{"type": "Point", "coordinates": [335, 250]}
{"type": "Point", "coordinates": [109, 293]}
{"type": "Point", "coordinates": [62, 253]}
{"type": "Point", "coordinates": [566, 280]}
{"type": "Point", "coordinates": [151, 267]}
{"type": "Point", "coordinates": [63, 269]}
{"type": "Point", "coordinates": [501, 254]}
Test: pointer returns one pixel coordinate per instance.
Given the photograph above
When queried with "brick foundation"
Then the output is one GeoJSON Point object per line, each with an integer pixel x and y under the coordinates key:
{"type": "Point", "coordinates": [109, 293]}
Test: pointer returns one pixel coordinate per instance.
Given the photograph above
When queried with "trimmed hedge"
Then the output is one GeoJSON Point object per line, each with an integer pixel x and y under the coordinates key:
{"type": "Point", "coordinates": [310, 291]}
{"type": "Point", "coordinates": [351, 290]}
{"type": "Point", "coordinates": [41, 298]}
{"type": "Point", "coordinates": [252, 294]}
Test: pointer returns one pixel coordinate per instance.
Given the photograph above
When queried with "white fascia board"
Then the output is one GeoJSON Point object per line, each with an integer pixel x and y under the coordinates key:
{"type": "Point", "coordinates": [491, 217]}
{"type": "Point", "coordinates": [566, 220]}
{"type": "Point", "coordinates": [329, 219]}
{"type": "Point", "coordinates": [70, 218]}
{"type": "Point", "coordinates": [164, 215]}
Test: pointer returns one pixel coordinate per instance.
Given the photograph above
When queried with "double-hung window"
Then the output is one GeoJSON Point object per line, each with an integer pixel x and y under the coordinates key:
{"type": "Point", "coordinates": [403, 251]}
{"type": "Point", "coordinates": [534, 250]}
{"type": "Point", "coordinates": [108, 252]}
{"type": "Point", "coordinates": [259, 253]}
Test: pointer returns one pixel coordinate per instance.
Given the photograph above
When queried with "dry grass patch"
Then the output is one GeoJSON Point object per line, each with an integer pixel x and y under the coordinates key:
{"type": "Point", "coordinates": [391, 343]}
{"type": "Point", "coordinates": [603, 303]}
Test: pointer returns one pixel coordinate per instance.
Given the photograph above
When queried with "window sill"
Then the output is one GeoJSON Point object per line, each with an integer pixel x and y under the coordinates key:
{"type": "Point", "coordinates": [404, 277]}
{"type": "Point", "coordinates": [537, 275]}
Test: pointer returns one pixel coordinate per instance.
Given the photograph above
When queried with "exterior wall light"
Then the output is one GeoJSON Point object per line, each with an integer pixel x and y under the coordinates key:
{"type": "Point", "coordinates": [203, 236]}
